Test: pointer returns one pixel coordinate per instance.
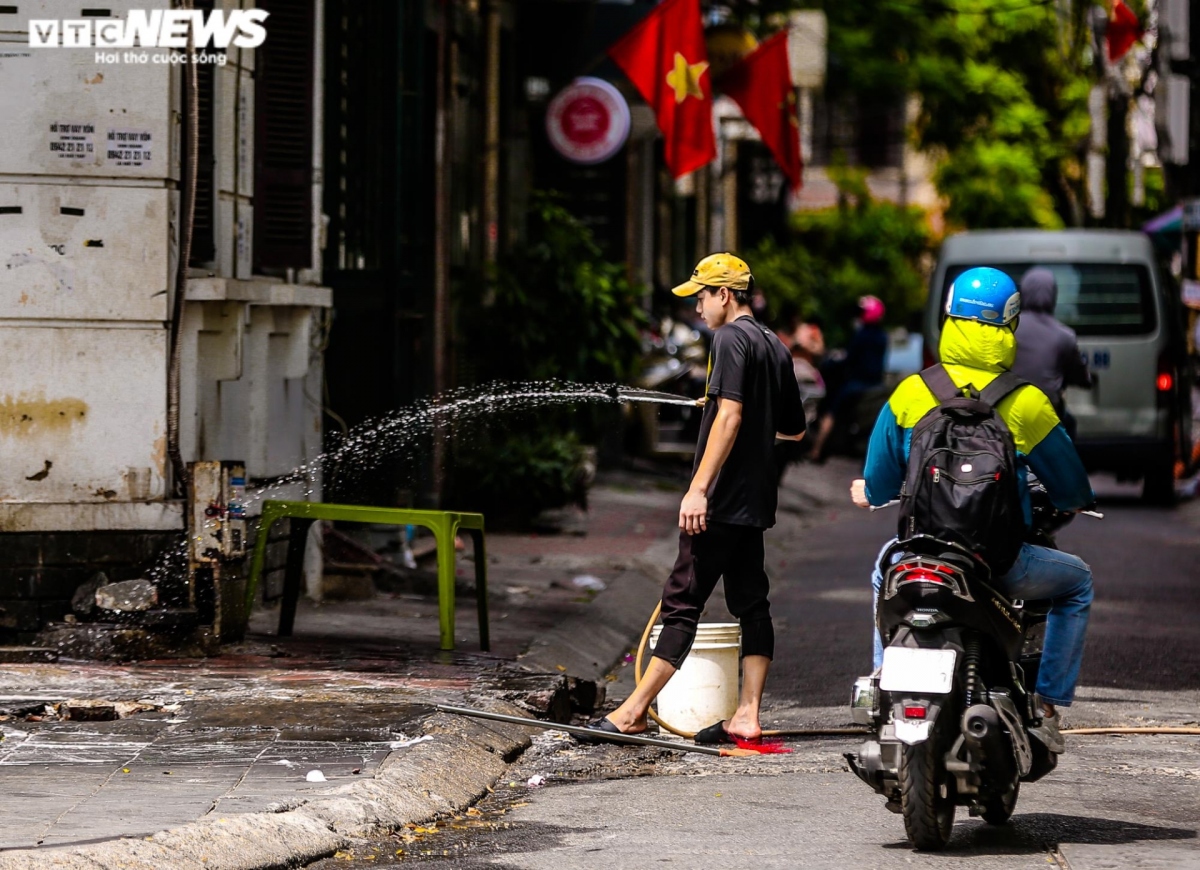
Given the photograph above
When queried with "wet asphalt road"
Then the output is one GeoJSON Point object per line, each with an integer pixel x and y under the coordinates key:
{"type": "Point", "coordinates": [1128, 802]}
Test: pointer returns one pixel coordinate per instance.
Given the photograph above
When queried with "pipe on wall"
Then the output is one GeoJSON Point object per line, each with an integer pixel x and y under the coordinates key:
{"type": "Point", "coordinates": [187, 219]}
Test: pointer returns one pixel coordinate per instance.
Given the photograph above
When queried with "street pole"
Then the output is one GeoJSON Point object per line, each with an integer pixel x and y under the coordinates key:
{"type": "Point", "coordinates": [1117, 170]}
{"type": "Point", "coordinates": [441, 246]}
{"type": "Point", "coordinates": [491, 137]}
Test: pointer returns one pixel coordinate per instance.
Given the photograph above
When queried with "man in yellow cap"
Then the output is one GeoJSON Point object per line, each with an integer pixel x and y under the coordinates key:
{"type": "Point", "coordinates": [751, 397]}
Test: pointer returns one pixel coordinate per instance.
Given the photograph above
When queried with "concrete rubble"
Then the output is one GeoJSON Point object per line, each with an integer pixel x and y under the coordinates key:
{"type": "Point", "coordinates": [126, 596]}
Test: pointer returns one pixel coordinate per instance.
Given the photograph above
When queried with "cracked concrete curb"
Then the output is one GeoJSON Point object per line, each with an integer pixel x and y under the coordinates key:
{"type": "Point", "coordinates": [443, 775]}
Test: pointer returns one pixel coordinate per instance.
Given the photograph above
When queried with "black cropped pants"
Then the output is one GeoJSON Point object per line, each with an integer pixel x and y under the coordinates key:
{"type": "Point", "coordinates": [723, 550]}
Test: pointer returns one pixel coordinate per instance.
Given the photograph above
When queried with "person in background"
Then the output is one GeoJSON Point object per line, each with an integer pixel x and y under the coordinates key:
{"type": "Point", "coordinates": [807, 345]}
{"type": "Point", "coordinates": [808, 352]}
{"type": "Point", "coordinates": [1047, 351]}
{"type": "Point", "coordinates": [861, 370]}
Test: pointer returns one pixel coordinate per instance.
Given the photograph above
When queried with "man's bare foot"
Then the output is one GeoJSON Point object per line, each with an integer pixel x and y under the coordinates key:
{"type": "Point", "coordinates": [627, 724]}
{"type": "Point", "coordinates": [745, 726]}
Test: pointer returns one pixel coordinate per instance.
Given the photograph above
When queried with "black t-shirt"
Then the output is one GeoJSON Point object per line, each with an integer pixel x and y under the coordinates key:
{"type": "Point", "coordinates": [749, 364]}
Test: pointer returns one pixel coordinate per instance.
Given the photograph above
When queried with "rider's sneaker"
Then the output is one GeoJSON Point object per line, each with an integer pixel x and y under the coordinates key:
{"type": "Point", "coordinates": [1049, 734]}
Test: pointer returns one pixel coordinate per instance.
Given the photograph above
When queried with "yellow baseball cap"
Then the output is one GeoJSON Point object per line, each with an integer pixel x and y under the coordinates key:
{"type": "Point", "coordinates": [716, 270]}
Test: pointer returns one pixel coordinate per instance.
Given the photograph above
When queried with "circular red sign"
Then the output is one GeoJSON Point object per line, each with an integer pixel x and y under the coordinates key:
{"type": "Point", "coordinates": [588, 121]}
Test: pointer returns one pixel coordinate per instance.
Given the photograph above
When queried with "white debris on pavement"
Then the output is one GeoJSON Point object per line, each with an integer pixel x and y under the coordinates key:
{"type": "Point", "coordinates": [316, 776]}
{"type": "Point", "coordinates": [536, 781]}
{"type": "Point", "coordinates": [589, 581]}
{"type": "Point", "coordinates": [404, 744]}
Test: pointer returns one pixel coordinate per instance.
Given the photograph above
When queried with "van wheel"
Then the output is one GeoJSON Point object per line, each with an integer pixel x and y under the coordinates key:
{"type": "Point", "coordinates": [1159, 485]}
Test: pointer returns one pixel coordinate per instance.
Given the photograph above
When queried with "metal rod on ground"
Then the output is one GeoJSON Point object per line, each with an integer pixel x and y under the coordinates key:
{"type": "Point", "coordinates": [635, 739]}
{"type": "Point", "coordinates": [1142, 729]}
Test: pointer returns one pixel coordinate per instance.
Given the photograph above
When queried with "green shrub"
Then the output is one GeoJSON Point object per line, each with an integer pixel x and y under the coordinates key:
{"type": "Point", "coordinates": [556, 308]}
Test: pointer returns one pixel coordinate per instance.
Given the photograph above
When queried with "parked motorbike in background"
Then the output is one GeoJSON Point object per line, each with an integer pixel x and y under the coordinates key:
{"type": "Point", "coordinates": [674, 361]}
{"type": "Point", "coordinates": [953, 709]}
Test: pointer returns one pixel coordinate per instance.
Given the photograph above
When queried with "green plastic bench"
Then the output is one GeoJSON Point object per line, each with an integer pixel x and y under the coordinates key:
{"type": "Point", "coordinates": [444, 525]}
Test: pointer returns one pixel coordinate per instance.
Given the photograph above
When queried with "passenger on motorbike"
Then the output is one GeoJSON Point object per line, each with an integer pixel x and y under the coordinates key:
{"type": "Point", "coordinates": [977, 344]}
{"type": "Point", "coordinates": [1047, 350]}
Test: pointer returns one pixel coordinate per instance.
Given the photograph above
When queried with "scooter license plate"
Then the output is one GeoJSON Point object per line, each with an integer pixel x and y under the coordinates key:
{"type": "Point", "coordinates": [929, 671]}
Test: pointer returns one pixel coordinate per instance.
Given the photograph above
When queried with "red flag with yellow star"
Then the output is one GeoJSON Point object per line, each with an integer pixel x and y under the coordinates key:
{"type": "Point", "coordinates": [666, 59]}
{"type": "Point", "coordinates": [761, 84]}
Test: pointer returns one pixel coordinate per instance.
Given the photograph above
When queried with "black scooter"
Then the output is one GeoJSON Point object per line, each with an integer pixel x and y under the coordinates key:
{"type": "Point", "coordinates": [953, 706]}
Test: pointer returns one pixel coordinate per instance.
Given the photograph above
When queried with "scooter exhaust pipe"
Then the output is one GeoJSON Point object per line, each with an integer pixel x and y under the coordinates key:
{"type": "Point", "coordinates": [985, 739]}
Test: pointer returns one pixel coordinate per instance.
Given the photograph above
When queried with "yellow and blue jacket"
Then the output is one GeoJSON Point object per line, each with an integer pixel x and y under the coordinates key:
{"type": "Point", "coordinates": [973, 354]}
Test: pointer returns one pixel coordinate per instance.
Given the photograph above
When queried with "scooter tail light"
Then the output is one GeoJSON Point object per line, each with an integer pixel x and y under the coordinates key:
{"type": "Point", "coordinates": [931, 571]}
{"type": "Point", "coordinates": [914, 712]}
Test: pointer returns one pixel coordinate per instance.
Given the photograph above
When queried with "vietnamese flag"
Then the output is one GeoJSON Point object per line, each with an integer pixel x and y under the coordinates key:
{"type": "Point", "coordinates": [666, 59]}
{"type": "Point", "coordinates": [761, 84]}
{"type": "Point", "coordinates": [1124, 30]}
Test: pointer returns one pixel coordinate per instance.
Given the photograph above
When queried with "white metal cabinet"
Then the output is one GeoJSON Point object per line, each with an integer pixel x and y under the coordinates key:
{"type": "Point", "coordinates": [84, 252]}
{"type": "Point", "coordinates": [65, 114]}
{"type": "Point", "coordinates": [82, 414]}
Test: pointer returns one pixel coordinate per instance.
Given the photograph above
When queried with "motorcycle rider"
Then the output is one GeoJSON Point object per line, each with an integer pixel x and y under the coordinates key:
{"type": "Point", "coordinates": [978, 342]}
{"type": "Point", "coordinates": [1047, 350]}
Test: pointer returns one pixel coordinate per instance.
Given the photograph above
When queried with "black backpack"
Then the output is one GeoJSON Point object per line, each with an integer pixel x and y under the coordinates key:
{"type": "Point", "coordinates": [962, 485]}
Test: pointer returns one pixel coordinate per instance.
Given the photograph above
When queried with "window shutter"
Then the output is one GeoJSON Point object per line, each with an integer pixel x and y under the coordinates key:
{"type": "Point", "coordinates": [283, 138]}
{"type": "Point", "coordinates": [204, 241]}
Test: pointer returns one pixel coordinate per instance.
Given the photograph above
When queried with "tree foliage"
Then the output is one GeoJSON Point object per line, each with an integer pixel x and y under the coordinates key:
{"type": "Point", "coordinates": [1003, 90]}
{"type": "Point", "coordinates": [836, 255]}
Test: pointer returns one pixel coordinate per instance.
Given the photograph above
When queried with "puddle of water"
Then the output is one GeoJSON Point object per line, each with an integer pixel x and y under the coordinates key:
{"type": "Point", "coordinates": [477, 837]}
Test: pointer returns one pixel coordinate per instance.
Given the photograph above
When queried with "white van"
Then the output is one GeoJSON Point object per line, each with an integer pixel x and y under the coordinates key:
{"type": "Point", "coordinates": [1138, 412]}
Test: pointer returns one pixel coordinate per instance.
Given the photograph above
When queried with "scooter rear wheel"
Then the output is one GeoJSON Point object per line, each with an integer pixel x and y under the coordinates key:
{"type": "Point", "coordinates": [998, 810]}
{"type": "Point", "coordinates": [927, 792]}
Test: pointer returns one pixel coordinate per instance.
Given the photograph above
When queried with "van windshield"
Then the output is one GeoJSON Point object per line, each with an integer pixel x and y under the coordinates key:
{"type": "Point", "coordinates": [1093, 298]}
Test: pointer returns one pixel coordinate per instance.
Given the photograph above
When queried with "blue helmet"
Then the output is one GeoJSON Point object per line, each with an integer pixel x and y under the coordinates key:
{"type": "Point", "coordinates": [984, 294]}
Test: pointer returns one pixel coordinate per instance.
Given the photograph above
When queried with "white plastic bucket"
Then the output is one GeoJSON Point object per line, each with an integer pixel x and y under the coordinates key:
{"type": "Point", "coordinates": [705, 689]}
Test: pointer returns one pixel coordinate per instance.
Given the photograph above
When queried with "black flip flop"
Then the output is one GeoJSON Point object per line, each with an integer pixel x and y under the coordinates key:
{"type": "Point", "coordinates": [714, 734]}
{"type": "Point", "coordinates": [603, 725]}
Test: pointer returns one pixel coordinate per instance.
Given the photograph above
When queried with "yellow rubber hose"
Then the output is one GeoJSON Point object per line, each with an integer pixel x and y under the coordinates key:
{"type": "Point", "coordinates": [637, 674]}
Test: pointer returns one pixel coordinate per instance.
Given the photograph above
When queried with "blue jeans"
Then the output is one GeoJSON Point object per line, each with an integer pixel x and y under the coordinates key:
{"type": "Point", "coordinates": [1041, 574]}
